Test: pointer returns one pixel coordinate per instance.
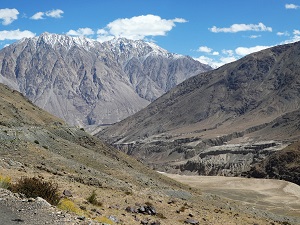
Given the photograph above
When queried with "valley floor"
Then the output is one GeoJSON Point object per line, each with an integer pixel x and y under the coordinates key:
{"type": "Point", "coordinates": [278, 197]}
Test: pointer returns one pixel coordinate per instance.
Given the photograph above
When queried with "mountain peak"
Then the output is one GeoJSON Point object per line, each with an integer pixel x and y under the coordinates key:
{"type": "Point", "coordinates": [65, 41]}
{"type": "Point", "coordinates": [137, 47]}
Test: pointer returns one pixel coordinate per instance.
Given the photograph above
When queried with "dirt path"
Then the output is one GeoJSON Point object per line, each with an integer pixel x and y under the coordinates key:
{"type": "Point", "coordinates": [277, 196]}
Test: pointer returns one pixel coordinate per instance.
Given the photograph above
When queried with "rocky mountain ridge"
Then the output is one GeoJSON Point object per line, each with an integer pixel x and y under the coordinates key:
{"type": "Point", "coordinates": [88, 83]}
{"type": "Point", "coordinates": [245, 103]}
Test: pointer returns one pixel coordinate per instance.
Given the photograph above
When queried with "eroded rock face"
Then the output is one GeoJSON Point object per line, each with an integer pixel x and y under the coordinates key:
{"type": "Point", "coordinates": [87, 83]}
{"type": "Point", "coordinates": [229, 160]}
{"type": "Point", "coordinates": [283, 165]}
{"type": "Point", "coordinates": [217, 158]}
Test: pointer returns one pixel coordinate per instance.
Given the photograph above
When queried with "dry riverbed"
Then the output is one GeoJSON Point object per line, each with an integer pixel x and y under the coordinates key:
{"type": "Point", "coordinates": [276, 196]}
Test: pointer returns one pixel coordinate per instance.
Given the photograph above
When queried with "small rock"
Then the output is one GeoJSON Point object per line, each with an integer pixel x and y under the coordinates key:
{"type": "Point", "coordinates": [67, 193]}
{"type": "Point", "coordinates": [150, 210]}
{"type": "Point", "coordinates": [113, 218]}
{"type": "Point", "coordinates": [191, 221]}
{"type": "Point", "coordinates": [131, 209]}
{"type": "Point", "coordinates": [81, 218]}
{"type": "Point", "coordinates": [42, 202]}
{"type": "Point", "coordinates": [155, 223]}
{"type": "Point", "coordinates": [82, 207]}
{"type": "Point", "coordinates": [31, 200]}
{"type": "Point", "coordinates": [145, 222]}
{"type": "Point", "coordinates": [142, 209]}
{"type": "Point", "coordinates": [18, 220]}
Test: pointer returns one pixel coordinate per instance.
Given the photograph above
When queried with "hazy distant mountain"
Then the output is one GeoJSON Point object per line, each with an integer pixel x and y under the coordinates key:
{"type": "Point", "coordinates": [85, 82]}
{"type": "Point", "coordinates": [221, 121]}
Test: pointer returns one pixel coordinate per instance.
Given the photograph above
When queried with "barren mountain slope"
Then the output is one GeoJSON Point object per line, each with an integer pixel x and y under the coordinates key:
{"type": "Point", "coordinates": [251, 104]}
{"type": "Point", "coordinates": [88, 83]}
{"type": "Point", "coordinates": [34, 143]}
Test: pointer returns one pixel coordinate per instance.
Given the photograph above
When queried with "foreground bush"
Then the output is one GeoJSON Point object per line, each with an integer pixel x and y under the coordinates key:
{"type": "Point", "coordinates": [35, 187]}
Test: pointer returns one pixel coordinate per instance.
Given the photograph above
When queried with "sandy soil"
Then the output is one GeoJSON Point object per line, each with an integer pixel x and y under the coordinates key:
{"type": "Point", "coordinates": [277, 196]}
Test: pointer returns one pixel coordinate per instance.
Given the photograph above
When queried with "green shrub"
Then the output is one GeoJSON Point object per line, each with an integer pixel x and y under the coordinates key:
{"type": "Point", "coordinates": [93, 199]}
{"type": "Point", "coordinates": [36, 187]}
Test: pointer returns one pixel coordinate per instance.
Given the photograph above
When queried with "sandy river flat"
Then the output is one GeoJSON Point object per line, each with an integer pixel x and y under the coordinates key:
{"type": "Point", "coordinates": [276, 196]}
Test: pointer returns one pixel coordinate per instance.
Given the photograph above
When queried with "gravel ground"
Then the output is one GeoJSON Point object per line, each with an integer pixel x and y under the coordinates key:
{"type": "Point", "coordinates": [14, 209]}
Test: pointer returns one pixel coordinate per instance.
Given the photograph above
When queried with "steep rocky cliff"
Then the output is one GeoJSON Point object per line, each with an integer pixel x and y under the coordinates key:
{"type": "Point", "coordinates": [87, 83]}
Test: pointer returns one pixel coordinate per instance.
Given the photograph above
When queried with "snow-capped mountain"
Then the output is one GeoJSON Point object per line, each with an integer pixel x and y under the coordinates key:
{"type": "Point", "coordinates": [86, 82]}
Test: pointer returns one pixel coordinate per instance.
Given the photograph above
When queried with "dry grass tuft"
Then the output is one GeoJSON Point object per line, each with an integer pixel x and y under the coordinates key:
{"type": "Point", "coordinates": [5, 182]}
{"type": "Point", "coordinates": [68, 205]}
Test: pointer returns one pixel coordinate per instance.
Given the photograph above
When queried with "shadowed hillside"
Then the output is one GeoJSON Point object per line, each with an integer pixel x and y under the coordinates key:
{"type": "Point", "coordinates": [219, 122]}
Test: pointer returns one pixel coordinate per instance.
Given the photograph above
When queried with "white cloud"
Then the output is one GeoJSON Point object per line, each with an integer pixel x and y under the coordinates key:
{"type": "Point", "coordinates": [15, 34]}
{"type": "Point", "coordinates": [103, 38]}
{"type": "Point", "coordinates": [8, 15]}
{"type": "Point", "coordinates": [254, 36]}
{"type": "Point", "coordinates": [55, 13]}
{"type": "Point", "coordinates": [295, 38]}
{"type": "Point", "coordinates": [81, 32]}
{"type": "Point", "coordinates": [296, 32]}
{"type": "Point", "coordinates": [138, 27]}
{"type": "Point", "coordinates": [228, 52]}
{"type": "Point", "coordinates": [245, 51]}
{"type": "Point", "coordinates": [215, 63]}
{"type": "Point", "coordinates": [38, 16]}
{"type": "Point", "coordinates": [209, 61]}
{"type": "Point", "coordinates": [283, 33]}
{"type": "Point", "coordinates": [291, 6]}
{"type": "Point", "coordinates": [204, 49]}
{"type": "Point", "coordinates": [225, 60]}
{"type": "Point", "coordinates": [216, 53]}
{"type": "Point", "coordinates": [241, 27]}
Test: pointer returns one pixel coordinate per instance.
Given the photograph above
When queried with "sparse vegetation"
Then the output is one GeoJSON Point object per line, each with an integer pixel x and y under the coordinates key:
{"type": "Point", "coordinates": [104, 220]}
{"type": "Point", "coordinates": [161, 216]}
{"type": "Point", "coordinates": [93, 199]}
{"type": "Point", "coordinates": [70, 206]}
{"type": "Point", "coordinates": [36, 187]}
{"type": "Point", "coordinates": [5, 182]}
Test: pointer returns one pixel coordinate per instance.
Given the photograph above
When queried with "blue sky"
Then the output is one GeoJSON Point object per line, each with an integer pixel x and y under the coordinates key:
{"type": "Point", "coordinates": [213, 31]}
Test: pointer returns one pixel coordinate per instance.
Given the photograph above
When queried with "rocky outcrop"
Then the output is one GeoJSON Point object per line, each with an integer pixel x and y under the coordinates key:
{"type": "Point", "coordinates": [283, 165]}
{"type": "Point", "coordinates": [229, 160]}
{"type": "Point", "coordinates": [88, 83]}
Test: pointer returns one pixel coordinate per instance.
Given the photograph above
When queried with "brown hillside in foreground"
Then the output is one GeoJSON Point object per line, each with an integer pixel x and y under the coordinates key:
{"type": "Point", "coordinates": [35, 144]}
